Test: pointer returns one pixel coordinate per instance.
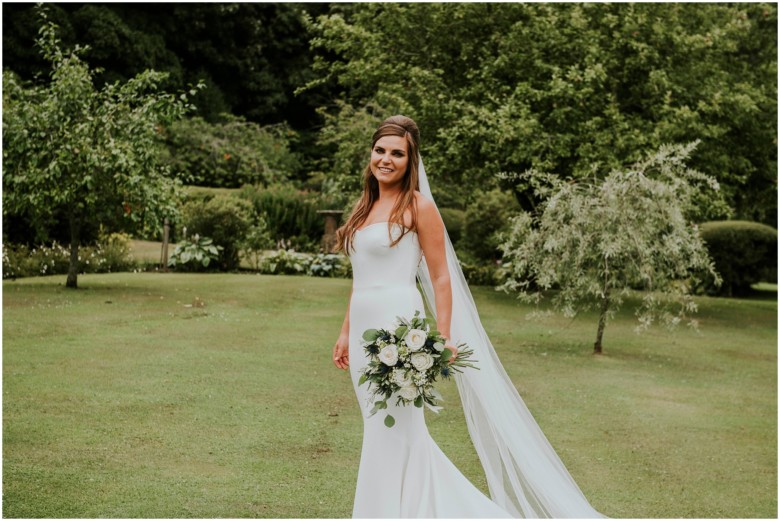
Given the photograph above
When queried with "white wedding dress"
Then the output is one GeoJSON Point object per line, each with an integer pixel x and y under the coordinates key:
{"type": "Point", "coordinates": [403, 473]}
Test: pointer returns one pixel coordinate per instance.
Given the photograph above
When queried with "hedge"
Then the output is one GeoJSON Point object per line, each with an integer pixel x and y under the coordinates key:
{"type": "Point", "coordinates": [744, 253]}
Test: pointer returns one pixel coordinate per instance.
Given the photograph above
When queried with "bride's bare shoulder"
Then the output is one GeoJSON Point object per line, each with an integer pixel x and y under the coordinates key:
{"type": "Point", "coordinates": [427, 214]}
{"type": "Point", "coordinates": [424, 204]}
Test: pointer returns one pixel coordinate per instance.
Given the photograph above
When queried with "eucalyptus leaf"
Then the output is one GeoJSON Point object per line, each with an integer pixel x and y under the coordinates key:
{"type": "Point", "coordinates": [389, 421]}
{"type": "Point", "coordinates": [369, 335]}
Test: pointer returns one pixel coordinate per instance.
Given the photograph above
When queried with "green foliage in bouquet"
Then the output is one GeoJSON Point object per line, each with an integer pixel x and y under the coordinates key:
{"type": "Point", "coordinates": [406, 362]}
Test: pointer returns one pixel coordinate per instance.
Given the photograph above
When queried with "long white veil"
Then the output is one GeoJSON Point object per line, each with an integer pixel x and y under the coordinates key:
{"type": "Point", "coordinates": [524, 474]}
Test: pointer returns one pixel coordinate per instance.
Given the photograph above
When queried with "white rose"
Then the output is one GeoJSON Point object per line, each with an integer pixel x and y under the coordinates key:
{"type": "Point", "coordinates": [422, 361]}
{"type": "Point", "coordinates": [415, 339]}
{"type": "Point", "coordinates": [389, 355]}
{"type": "Point", "coordinates": [409, 392]}
{"type": "Point", "coordinates": [401, 378]}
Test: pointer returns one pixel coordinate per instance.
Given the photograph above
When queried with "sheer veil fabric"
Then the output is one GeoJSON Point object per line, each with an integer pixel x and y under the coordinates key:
{"type": "Point", "coordinates": [524, 474]}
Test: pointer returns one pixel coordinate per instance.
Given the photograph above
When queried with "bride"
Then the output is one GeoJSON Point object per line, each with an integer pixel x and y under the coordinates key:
{"type": "Point", "coordinates": [394, 237]}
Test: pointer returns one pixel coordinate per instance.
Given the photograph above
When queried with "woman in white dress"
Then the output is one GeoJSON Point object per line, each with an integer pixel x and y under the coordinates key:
{"type": "Point", "coordinates": [394, 236]}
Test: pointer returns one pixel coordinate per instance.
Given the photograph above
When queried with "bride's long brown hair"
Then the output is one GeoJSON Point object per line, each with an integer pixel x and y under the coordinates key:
{"type": "Point", "coordinates": [392, 126]}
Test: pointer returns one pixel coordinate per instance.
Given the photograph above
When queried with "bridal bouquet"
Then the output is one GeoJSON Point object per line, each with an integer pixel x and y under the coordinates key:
{"type": "Point", "coordinates": [406, 361]}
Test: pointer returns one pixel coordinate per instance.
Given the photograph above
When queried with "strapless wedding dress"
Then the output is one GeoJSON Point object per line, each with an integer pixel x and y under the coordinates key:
{"type": "Point", "coordinates": [403, 473]}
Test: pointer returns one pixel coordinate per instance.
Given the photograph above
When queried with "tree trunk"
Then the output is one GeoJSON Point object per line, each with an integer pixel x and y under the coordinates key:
{"type": "Point", "coordinates": [602, 323]}
{"type": "Point", "coordinates": [75, 236]}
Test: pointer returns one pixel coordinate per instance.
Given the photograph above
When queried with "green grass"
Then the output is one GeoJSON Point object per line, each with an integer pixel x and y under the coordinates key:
{"type": "Point", "coordinates": [122, 399]}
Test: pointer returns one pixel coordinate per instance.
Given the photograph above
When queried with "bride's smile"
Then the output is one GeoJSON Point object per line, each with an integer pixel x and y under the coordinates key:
{"type": "Point", "coordinates": [389, 159]}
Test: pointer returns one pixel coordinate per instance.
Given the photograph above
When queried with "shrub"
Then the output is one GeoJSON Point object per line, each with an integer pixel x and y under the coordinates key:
{"type": "Point", "coordinates": [329, 265]}
{"type": "Point", "coordinates": [194, 254]}
{"type": "Point", "coordinates": [256, 241]}
{"type": "Point", "coordinates": [284, 262]}
{"type": "Point", "coordinates": [744, 253]}
{"type": "Point", "coordinates": [485, 219]}
{"type": "Point", "coordinates": [453, 221]}
{"type": "Point", "coordinates": [480, 275]}
{"type": "Point", "coordinates": [288, 262]}
{"type": "Point", "coordinates": [110, 254]}
{"type": "Point", "coordinates": [289, 213]}
{"type": "Point", "coordinates": [225, 219]}
{"type": "Point", "coordinates": [231, 153]}
{"type": "Point", "coordinates": [114, 249]}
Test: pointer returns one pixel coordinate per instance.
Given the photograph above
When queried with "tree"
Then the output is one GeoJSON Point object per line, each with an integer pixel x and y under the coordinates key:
{"type": "Point", "coordinates": [565, 88]}
{"type": "Point", "coordinates": [91, 153]}
{"type": "Point", "coordinates": [230, 153]}
{"type": "Point", "coordinates": [592, 242]}
{"type": "Point", "coordinates": [252, 56]}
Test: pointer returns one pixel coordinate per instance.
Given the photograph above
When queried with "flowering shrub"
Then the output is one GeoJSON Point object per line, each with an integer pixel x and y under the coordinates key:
{"type": "Point", "coordinates": [284, 262]}
{"type": "Point", "coordinates": [329, 265]}
{"type": "Point", "coordinates": [288, 262]}
{"type": "Point", "coordinates": [110, 254]}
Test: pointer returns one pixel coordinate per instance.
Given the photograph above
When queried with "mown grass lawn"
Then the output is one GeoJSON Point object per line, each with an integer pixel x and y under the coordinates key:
{"type": "Point", "coordinates": [126, 399]}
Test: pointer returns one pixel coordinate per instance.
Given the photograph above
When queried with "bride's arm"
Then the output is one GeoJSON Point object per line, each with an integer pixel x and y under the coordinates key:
{"type": "Point", "coordinates": [341, 349]}
{"type": "Point", "coordinates": [430, 230]}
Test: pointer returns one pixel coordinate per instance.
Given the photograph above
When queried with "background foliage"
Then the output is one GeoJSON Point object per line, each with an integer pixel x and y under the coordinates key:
{"type": "Point", "coordinates": [229, 153]}
{"type": "Point", "coordinates": [564, 88]}
{"type": "Point", "coordinates": [86, 153]}
{"type": "Point", "coordinates": [594, 242]}
{"type": "Point", "coordinates": [744, 253]}
{"type": "Point", "coordinates": [293, 91]}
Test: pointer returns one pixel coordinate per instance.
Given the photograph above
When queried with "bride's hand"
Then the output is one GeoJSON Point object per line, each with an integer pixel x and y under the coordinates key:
{"type": "Point", "coordinates": [451, 347]}
{"type": "Point", "coordinates": [341, 352]}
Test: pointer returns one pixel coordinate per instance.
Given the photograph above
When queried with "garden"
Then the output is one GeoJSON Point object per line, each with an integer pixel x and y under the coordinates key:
{"type": "Point", "coordinates": [172, 178]}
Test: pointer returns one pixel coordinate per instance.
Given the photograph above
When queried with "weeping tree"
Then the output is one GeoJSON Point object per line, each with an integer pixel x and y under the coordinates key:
{"type": "Point", "coordinates": [590, 244]}
{"type": "Point", "coordinates": [89, 154]}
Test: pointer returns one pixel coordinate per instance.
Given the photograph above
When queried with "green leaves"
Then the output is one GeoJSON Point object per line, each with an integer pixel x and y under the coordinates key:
{"type": "Point", "coordinates": [369, 335]}
{"type": "Point", "coordinates": [400, 332]}
{"type": "Point", "coordinates": [594, 242]}
{"type": "Point", "coordinates": [378, 406]}
{"type": "Point", "coordinates": [569, 89]}
{"type": "Point", "coordinates": [412, 375]}
{"type": "Point", "coordinates": [197, 250]}
{"type": "Point", "coordinates": [389, 421]}
{"type": "Point", "coordinates": [86, 152]}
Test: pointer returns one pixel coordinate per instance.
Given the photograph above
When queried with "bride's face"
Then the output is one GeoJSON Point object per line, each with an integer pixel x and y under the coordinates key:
{"type": "Point", "coordinates": [389, 159]}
